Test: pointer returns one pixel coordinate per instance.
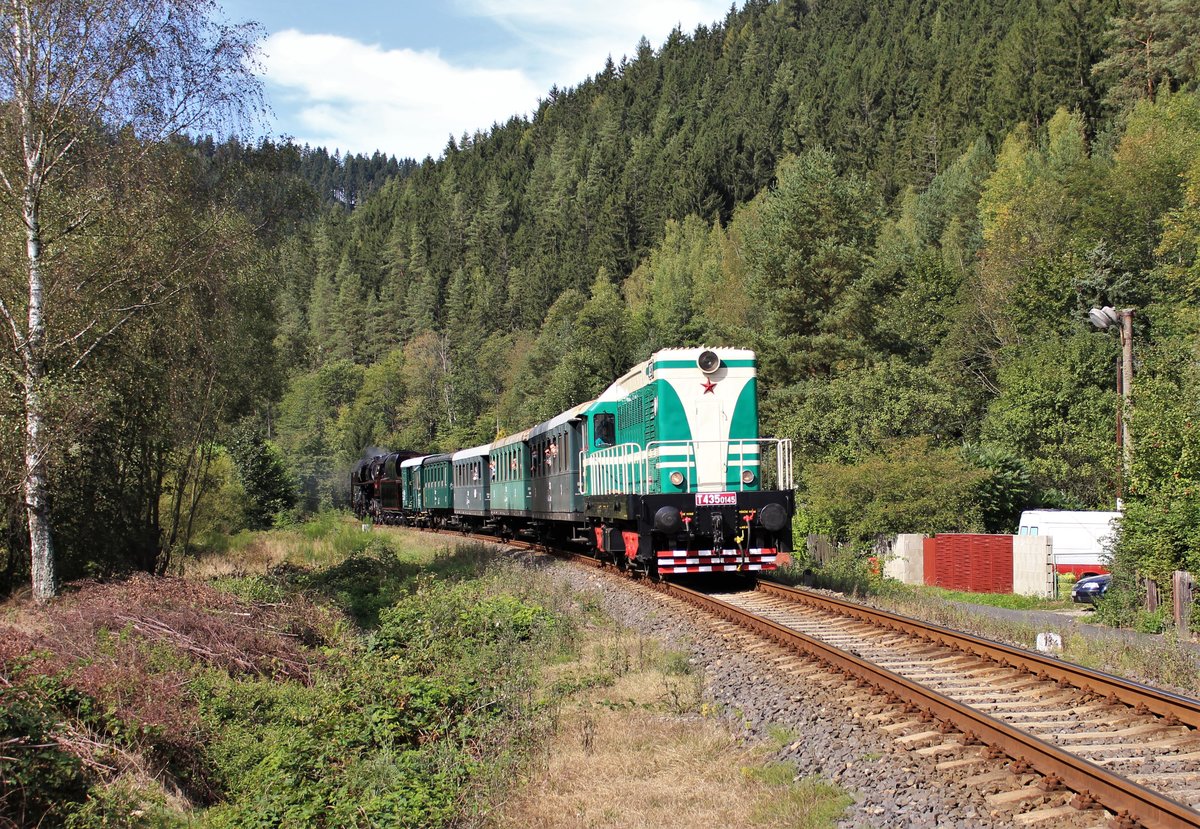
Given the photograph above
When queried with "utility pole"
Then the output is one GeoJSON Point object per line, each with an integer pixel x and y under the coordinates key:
{"type": "Point", "coordinates": [1126, 384]}
{"type": "Point", "coordinates": [1104, 319]}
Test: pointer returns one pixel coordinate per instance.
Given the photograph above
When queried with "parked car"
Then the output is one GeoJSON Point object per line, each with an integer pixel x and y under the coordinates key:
{"type": "Point", "coordinates": [1091, 589]}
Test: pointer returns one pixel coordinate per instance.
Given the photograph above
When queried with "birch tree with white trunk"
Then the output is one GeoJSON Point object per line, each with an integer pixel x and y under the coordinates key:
{"type": "Point", "coordinates": [86, 85]}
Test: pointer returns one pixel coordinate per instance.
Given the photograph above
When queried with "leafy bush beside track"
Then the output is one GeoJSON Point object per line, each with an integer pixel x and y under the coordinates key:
{"type": "Point", "coordinates": [264, 706]}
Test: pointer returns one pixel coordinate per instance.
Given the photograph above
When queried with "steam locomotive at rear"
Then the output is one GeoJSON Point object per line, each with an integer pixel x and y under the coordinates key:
{"type": "Point", "coordinates": [375, 487]}
{"type": "Point", "coordinates": [664, 473]}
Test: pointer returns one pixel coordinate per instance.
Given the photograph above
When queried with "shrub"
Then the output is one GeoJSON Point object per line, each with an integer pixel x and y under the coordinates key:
{"type": "Point", "coordinates": [389, 734]}
{"type": "Point", "coordinates": [39, 781]}
{"type": "Point", "coordinates": [908, 486]}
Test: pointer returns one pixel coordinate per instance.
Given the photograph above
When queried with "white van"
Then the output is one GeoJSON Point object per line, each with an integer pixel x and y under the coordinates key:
{"type": "Point", "coordinates": [1081, 537]}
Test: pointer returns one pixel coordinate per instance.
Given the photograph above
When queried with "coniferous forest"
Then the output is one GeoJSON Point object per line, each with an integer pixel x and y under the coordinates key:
{"type": "Point", "coordinates": [907, 209]}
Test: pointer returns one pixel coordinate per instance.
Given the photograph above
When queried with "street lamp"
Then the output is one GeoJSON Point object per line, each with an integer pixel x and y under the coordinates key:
{"type": "Point", "coordinates": [1104, 319]}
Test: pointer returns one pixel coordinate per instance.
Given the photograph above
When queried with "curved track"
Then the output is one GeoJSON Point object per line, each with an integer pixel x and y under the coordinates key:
{"type": "Point", "coordinates": [1119, 744]}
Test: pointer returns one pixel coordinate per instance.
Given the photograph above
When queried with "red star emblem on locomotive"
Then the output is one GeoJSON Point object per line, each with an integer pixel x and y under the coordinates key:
{"type": "Point", "coordinates": [709, 385]}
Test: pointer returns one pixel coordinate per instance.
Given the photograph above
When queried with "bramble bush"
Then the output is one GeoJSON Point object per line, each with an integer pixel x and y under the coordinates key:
{"type": "Point", "coordinates": [39, 780]}
{"type": "Point", "coordinates": [288, 713]}
{"type": "Point", "coordinates": [394, 731]}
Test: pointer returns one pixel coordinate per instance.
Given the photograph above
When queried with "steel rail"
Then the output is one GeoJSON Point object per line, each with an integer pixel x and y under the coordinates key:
{"type": "Point", "coordinates": [1120, 795]}
{"type": "Point", "coordinates": [1174, 708]}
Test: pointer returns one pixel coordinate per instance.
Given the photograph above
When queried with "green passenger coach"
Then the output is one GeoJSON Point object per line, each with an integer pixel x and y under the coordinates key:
{"type": "Point", "coordinates": [436, 498]}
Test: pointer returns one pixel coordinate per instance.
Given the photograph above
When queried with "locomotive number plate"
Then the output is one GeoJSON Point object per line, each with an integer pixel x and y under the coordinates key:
{"type": "Point", "coordinates": [716, 499]}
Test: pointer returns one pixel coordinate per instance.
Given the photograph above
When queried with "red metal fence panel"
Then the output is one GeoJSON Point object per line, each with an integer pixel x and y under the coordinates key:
{"type": "Point", "coordinates": [968, 561]}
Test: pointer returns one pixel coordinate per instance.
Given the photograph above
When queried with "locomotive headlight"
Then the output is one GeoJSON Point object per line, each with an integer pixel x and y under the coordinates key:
{"type": "Point", "coordinates": [708, 361]}
{"type": "Point", "coordinates": [747, 477]}
{"type": "Point", "coordinates": [677, 478]}
{"type": "Point", "coordinates": [773, 517]}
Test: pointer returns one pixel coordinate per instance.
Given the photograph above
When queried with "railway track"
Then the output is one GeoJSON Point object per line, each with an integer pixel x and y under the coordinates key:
{"type": "Point", "coordinates": [1099, 740]}
{"type": "Point", "coordinates": [1129, 748]}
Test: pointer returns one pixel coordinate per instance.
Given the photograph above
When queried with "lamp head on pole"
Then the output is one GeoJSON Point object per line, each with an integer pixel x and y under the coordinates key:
{"type": "Point", "coordinates": [1104, 317]}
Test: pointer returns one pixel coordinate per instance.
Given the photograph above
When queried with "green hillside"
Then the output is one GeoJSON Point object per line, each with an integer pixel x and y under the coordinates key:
{"type": "Point", "coordinates": [906, 208]}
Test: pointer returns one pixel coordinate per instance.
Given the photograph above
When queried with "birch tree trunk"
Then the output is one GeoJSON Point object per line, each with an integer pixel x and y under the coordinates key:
{"type": "Point", "coordinates": [148, 67]}
{"type": "Point", "coordinates": [36, 485]}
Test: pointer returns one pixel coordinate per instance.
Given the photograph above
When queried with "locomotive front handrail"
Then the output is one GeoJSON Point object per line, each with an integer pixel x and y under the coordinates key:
{"type": "Point", "coordinates": [742, 453]}
{"type": "Point", "coordinates": [625, 469]}
{"type": "Point", "coordinates": [614, 471]}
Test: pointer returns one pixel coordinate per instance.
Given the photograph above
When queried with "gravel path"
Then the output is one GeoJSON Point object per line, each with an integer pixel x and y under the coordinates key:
{"type": "Point", "coordinates": [1076, 621]}
{"type": "Point", "coordinates": [892, 786]}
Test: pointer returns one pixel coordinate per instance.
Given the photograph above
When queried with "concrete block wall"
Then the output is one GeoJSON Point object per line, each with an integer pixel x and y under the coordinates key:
{"type": "Point", "coordinates": [1033, 566]}
{"type": "Point", "coordinates": [907, 562]}
{"type": "Point", "coordinates": [1032, 563]}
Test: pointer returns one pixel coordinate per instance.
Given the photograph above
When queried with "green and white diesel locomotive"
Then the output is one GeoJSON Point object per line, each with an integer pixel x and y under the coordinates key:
{"type": "Point", "coordinates": [664, 472]}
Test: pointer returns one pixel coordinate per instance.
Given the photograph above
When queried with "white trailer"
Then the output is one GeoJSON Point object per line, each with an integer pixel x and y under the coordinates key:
{"type": "Point", "coordinates": [1081, 538]}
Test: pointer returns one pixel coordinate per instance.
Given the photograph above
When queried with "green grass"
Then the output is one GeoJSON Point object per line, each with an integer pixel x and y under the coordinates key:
{"type": "Point", "coordinates": [404, 724]}
{"type": "Point", "coordinates": [808, 803]}
{"type": "Point", "coordinates": [1007, 600]}
{"type": "Point", "coordinates": [413, 705]}
{"type": "Point", "coordinates": [852, 575]}
{"type": "Point", "coordinates": [781, 735]}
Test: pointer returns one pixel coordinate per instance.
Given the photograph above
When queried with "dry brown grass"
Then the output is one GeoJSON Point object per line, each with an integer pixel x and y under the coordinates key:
{"type": "Point", "coordinates": [636, 747]}
{"type": "Point", "coordinates": [256, 557]}
{"type": "Point", "coordinates": [323, 542]}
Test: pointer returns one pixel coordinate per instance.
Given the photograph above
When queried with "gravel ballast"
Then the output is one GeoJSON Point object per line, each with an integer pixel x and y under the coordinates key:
{"type": "Point", "coordinates": [892, 786]}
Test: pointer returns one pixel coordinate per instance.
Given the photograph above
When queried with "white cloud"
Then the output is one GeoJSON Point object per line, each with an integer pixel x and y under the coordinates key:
{"type": "Point", "coordinates": [573, 38]}
{"type": "Point", "coordinates": [360, 97]}
{"type": "Point", "coordinates": [335, 91]}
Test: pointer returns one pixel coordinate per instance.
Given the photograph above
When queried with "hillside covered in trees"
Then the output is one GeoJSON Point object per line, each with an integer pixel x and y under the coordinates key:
{"type": "Point", "coordinates": [906, 208]}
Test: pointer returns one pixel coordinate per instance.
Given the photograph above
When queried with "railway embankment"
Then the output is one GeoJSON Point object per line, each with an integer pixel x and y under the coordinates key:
{"type": "Point", "coordinates": [327, 676]}
{"type": "Point", "coordinates": [809, 716]}
{"type": "Point", "coordinates": [1162, 660]}
{"type": "Point", "coordinates": [1080, 622]}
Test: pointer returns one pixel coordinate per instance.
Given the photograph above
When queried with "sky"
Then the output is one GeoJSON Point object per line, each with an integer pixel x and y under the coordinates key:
{"type": "Point", "coordinates": [402, 77]}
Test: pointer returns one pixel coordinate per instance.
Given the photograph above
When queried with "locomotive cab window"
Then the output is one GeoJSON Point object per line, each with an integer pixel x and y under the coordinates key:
{"type": "Point", "coordinates": [604, 428]}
